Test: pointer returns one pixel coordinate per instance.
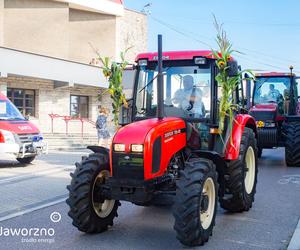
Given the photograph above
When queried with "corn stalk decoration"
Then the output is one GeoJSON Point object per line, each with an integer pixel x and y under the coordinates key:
{"type": "Point", "coordinates": [228, 84]}
{"type": "Point", "coordinates": [113, 71]}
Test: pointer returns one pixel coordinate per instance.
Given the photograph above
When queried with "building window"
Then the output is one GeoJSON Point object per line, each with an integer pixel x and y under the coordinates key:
{"type": "Point", "coordinates": [79, 106]}
{"type": "Point", "coordinates": [23, 99]}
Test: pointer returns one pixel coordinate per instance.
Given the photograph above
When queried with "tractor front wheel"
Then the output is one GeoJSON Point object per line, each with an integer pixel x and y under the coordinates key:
{"type": "Point", "coordinates": [292, 144]}
{"type": "Point", "coordinates": [89, 210]}
{"type": "Point", "coordinates": [241, 176]}
{"type": "Point", "coordinates": [196, 202]}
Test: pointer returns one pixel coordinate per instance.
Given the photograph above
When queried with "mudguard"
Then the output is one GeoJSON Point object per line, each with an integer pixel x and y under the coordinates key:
{"type": "Point", "coordinates": [232, 149]}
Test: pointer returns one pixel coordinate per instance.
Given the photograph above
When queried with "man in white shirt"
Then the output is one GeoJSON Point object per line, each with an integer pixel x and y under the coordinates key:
{"type": "Point", "coordinates": [189, 98]}
{"type": "Point", "coordinates": [273, 93]}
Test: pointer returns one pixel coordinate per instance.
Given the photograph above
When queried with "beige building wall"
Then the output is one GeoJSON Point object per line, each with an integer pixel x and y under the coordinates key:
{"type": "Point", "coordinates": [89, 31]}
{"type": "Point", "coordinates": [38, 26]}
{"type": "Point", "coordinates": [50, 100]}
{"type": "Point", "coordinates": [131, 33]}
{"type": "Point", "coordinates": [1, 21]}
{"type": "Point", "coordinates": [53, 29]}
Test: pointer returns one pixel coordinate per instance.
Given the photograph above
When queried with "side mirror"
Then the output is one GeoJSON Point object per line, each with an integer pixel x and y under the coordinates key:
{"type": "Point", "coordinates": [233, 68]}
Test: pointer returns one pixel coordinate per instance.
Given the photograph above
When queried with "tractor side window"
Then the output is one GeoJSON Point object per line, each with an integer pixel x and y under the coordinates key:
{"type": "Point", "coordinates": [128, 82]}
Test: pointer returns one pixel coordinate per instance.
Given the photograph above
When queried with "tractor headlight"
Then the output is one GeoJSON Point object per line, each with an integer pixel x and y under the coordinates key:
{"type": "Point", "coordinates": [200, 60]}
{"type": "Point", "coordinates": [270, 124]}
{"type": "Point", "coordinates": [143, 62]}
{"type": "Point", "coordinates": [137, 148]}
{"type": "Point", "coordinates": [119, 147]}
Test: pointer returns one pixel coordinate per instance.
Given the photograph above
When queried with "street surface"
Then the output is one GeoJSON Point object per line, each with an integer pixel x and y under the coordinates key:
{"type": "Point", "coordinates": [31, 194]}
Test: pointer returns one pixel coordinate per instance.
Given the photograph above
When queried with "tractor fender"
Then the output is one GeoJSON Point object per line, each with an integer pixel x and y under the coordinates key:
{"type": "Point", "coordinates": [101, 150]}
{"type": "Point", "coordinates": [241, 121]}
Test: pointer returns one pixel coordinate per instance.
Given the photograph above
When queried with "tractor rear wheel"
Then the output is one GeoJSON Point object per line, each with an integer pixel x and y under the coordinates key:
{"type": "Point", "coordinates": [89, 210]}
{"type": "Point", "coordinates": [196, 202]}
{"type": "Point", "coordinates": [292, 144]}
{"type": "Point", "coordinates": [241, 176]}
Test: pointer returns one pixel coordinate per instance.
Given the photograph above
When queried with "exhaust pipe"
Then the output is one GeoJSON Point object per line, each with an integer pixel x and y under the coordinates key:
{"type": "Point", "coordinates": [160, 81]}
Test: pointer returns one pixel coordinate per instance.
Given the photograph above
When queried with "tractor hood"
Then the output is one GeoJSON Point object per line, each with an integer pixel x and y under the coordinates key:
{"type": "Point", "coordinates": [136, 133]}
{"type": "Point", "coordinates": [268, 107]}
{"type": "Point", "coordinates": [19, 127]}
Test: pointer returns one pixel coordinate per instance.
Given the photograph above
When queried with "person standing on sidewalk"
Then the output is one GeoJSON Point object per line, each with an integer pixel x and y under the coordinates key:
{"type": "Point", "coordinates": [101, 125]}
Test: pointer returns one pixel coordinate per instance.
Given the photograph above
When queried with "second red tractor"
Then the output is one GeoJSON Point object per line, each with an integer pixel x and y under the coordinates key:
{"type": "Point", "coordinates": [276, 108]}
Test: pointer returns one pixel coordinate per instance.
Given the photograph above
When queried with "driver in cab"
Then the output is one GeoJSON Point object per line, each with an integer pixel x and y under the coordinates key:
{"type": "Point", "coordinates": [273, 94]}
{"type": "Point", "coordinates": [190, 98]}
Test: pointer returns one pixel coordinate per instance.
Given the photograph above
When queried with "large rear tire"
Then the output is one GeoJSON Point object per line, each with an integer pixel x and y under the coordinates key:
{"type": "Point", "coordinates": [196, 202]}
{"type": "Point", "coordinates": [292, 144]}
{"type": "Point", "coordinates": [241, 176]}
{"type": "Point", "coordinates": [89, 210]}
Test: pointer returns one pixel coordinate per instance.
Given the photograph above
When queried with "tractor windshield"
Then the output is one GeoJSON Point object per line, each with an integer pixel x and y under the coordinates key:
{"type": "Point", "coordinates": [186, 91]}
{"type": "Point", "coordinates": [271, 89]}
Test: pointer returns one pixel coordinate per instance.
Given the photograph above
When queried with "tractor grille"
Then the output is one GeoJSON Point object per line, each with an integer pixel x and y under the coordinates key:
{"type": "Point", "coordinates": [26, 138]}
{"type": "Point", "coordinates": [263, 115]}
{"type": "Point", "coordinates": [267, 137]}
{"type": "Point", "coordinates": [128, 166]}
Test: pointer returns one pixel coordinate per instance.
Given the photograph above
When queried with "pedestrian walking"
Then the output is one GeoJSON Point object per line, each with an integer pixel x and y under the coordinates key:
{"type": "Point", "coordinates": [101, 125]}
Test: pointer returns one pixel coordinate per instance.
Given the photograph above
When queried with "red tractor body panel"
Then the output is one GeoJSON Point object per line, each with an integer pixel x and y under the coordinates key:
{"type": "Point", "coordinates": [233, 147]}
{"type": "Point", "coordinates": [271, 74]}
{"type": "Point", "coordinates": [173, 139]}
{"type": "Point", "coordinates": [177, 55]}
{"type": "Point", "coordinates": [270, 107]}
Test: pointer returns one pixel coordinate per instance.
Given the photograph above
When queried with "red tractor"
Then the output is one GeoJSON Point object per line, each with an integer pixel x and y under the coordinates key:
{"type": "Point", "coordinates": [167, 148]}
{"type": "Point", "coordinates": [276, 109]}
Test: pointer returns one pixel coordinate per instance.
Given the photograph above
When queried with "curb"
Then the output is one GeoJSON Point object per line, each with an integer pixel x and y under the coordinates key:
{"type": "Point", "coordinates": [295, 241]}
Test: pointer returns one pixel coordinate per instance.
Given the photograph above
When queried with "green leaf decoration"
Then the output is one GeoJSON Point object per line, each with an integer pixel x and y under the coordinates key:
{"type": "Point", "coordinates": [113, 71]}
{"type": "Point", "coordinates": [228, 84]}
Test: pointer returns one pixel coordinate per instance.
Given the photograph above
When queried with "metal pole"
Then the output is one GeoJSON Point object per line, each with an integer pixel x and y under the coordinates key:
{"type": "Point", "coordinates": [291, 110]}
{"type": "Point", "coordinates": [160, 82]}
{"type": "Point", "coordinates": [248, 91]}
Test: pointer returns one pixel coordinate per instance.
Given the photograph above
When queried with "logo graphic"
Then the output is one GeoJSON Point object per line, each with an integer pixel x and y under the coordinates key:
{"type": "Point", "coordinates": [55, 217]}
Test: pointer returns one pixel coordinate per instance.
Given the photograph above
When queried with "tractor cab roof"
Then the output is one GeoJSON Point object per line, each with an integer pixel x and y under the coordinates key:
{"type": "Point", "coordinates": [177, 55]}
{"type": "Point", "coordinates": [273, 74]}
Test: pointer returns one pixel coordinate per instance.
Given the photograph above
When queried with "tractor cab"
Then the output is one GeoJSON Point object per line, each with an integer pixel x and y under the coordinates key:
{"type": "Point", "coordinates": [275, 105]}
{"type": "Point", "coordinates": [189, 93]}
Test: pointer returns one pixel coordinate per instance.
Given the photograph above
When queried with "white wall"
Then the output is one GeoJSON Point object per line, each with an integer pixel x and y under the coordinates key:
{"type": "Point", "coordinates": [1, 21]}
{"type": "Point", "coordinates": [26, 64]}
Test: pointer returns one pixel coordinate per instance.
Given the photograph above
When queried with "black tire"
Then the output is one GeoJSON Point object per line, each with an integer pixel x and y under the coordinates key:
{"type": "Point", "coordinates": [292, 144]}
{"type": "Point", "coordinates": [236, 198]}
{"type": "Point", "coordinates": [259, 152]}
{"type": "Point", "coordinates": [189, 201]}
{"type": "Point", "coordinates": [26, 160]}
{"type": "Point", "coordinates": [81, 195]}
